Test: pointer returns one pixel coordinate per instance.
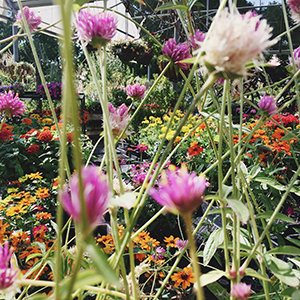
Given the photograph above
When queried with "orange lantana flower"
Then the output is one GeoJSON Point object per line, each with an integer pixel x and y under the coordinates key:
{"type": "Point", "coordinates": [186, 277]}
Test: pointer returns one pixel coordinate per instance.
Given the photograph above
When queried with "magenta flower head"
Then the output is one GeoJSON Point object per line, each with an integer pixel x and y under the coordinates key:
{"type": "Point", "coordinates": [96, 192]}
{"type": "Point", "coordinates": [241, 291]}
{"type": "Point", "coordinates": [11, 105]}
{"type": "Point", "coordinates": [267, 104]}
{"type": "Point", "coordinates": [295, 9]}
{"type": "Point", "coordinates": [118, 119]}
{"type": "Point", "coordinates": [32, 20]}
{"type": "Point", "coordinates": [180, 192]}
{"type": "Point", "coordinates": [197, 39]}
{"type": "Point", "coordinates": [9, 271]}
{"type": "Point", "coordinates": [296, 58]}
{"type": "Point", "coordinates": [136, 91]}
{"type": "Point", "coordinates": [96, 29]}
{"type": "Point", "coordinates": [177, 52]}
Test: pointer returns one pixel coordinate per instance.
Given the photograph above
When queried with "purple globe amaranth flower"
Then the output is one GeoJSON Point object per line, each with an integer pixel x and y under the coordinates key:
{"type": "Point", "coordinates": [180, 244]}
{"type": "Point", "coordinates": [177, 53]}
{"type": "Point", "coordinates": [96, 193]}
{"type": "Point", "coordinates": [118, 119]}
{"type": "Point", "coordinates": [295, 9]}
{"type": "Point", "coordinates": [32, 20]}
{"type": "Point", "coordinates": [241, 291]}
{"type": "Point", "coordinates": [180, 192]}
{"type": "Point", "coordinates": [268, 104]}
{"type": "Point", "coordinates": [233, 41]}
{"type": "Point", "coordinates": [11, 105]}
{"type": "Point", "coordinates": [9, 271]}
{"type": "Point", "coordinates": [296, 55]}
{"type": "Point", "coordinates": [96, 29]}
{"type": "Point", "coordinates": [136, 91]}
{"type": "Point", "coordinates": [197, 39]}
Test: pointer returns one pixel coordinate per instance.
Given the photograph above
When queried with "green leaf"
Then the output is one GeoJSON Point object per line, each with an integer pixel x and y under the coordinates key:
{"type": "Point", "coordinates": [279, 216]}
{"type": "Point", "coordinates": [252, 273]}
{"type": "Point", "coordinates": [171, 5]}
{"type": "Point", "coordinates": [78, 3]}
{"type": "Point", "coordinates": [191, 3]}
{"type": "Point", "coordinates": [83, 278]}
{"type": "Point", "coordinates": [276, 185]}
{"type": "Point", "coordinates": [290, 135]}
{"type": "Point", "coordinates": [285, 250]}
{"type": "Point", "coordinates": [100, 261]}
{"type": "Point", "coordinates": [288, 292]}
{"type": "Point", "coordinates": [294, 241]}
{"type": "Point", "coordinates": [240, 209]}
{"type": "Point", "coordinates": [33, 255]}
{"type": "Point", "coordinates": [296, 295]}
{"type": "Point", "coordinates": [281, 270]}
{"type": "Point", "coordinates": [218, 290]}
{"type": "Point", "coordinates": [211, 277]}
{"type": "Point", "coordinates": [214, 240]}
{"type": "Point", "coordinates": [228, 210]}
{"type": "Point", "coordinates": [295, 261]}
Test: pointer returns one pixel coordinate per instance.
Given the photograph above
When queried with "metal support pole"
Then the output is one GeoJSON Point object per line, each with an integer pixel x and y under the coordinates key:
{"type": "Point", "coordinates": [15, 44]}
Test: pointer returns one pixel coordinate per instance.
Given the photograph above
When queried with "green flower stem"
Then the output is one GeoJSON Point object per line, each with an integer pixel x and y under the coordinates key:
{"type": "Point", "coordinates": [193, 253]}
{"type": "Point", "coordinates": [4, 118]}
{"type": "Point", "coordinates": [271, 86]}
{"type": "Point", "coordinates": [93, 150]}
{"type": "Point", "coordinates": [14, 37]}
{"type": "Point", "coordinates": [131, 258]}
{"type": "Point", "coordinates": [220, 175]}
{"type": "Point", "coordinates": [115, 234]}
{"type": "Point", "coordinates": [272, 218]}
{"type": "Point", "coordinates": [76, 269]}
{"type": "Point", "coordinates": [171, 271]}
{"type": "Point", "coordinates": [288, 33]}
{"type": "Point", "coordinates": [148, 222]}
{"type": "Point", "coordinates": [294, 78]}
{"type": "Point", "coordinates": [44, 283]}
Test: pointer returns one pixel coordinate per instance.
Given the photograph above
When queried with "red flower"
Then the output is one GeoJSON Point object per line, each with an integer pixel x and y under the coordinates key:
{"type": "Point", "coordinates": [5, 135]}
{"type": "Point", "coordinates": [195, 149]}
{"type": "Point", "coordinates": [70, 137]}
{"type": "Point", "coordinates": [45, 136]}
{"type": "Point", "coordinates": [27, 121]}
{"type": "Point", "coordinates": [33, 149]}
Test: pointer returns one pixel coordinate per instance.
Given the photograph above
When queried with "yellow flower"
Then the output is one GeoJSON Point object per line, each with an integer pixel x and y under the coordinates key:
{"type": "Point", "coordinates": [185, 129]}
{"type": "Point", "coordinates": [158, 120]}
{"type": "Point", "coordinates": [166, 118]}
{"type": "Point", "coordinates": [289, 128]}
{"type": "Point", "coordinates": [36, 175]}
{"type": "Point", "coordinates": [47, 121]}
{"type": "Point", "coordinates": [160, 136]}
{"type": "Point", "coordinates": [12, 190]}
{"type": "Point", "coordinates": [152, 125]}
{"type": "Point", "coordinates": [23, 178]}
{"type": "Point", "coordinates": [16, 210]}
{"type": "Point", "coordinates": [170, 135]}
{"type": "Point", "coordinates": [298, 126]}
{"type": "Point", "coordinates": [42, 193]}
{"type": "Point", "coordinates": [163, 129]}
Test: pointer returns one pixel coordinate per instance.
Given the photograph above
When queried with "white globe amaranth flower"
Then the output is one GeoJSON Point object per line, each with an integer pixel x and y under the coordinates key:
{"type": "Point", "coordinates": [234, 40]}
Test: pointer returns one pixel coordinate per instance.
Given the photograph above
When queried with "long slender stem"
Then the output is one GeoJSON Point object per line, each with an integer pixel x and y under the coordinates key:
{"type": "Point", "coordinates": [193, 253]}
